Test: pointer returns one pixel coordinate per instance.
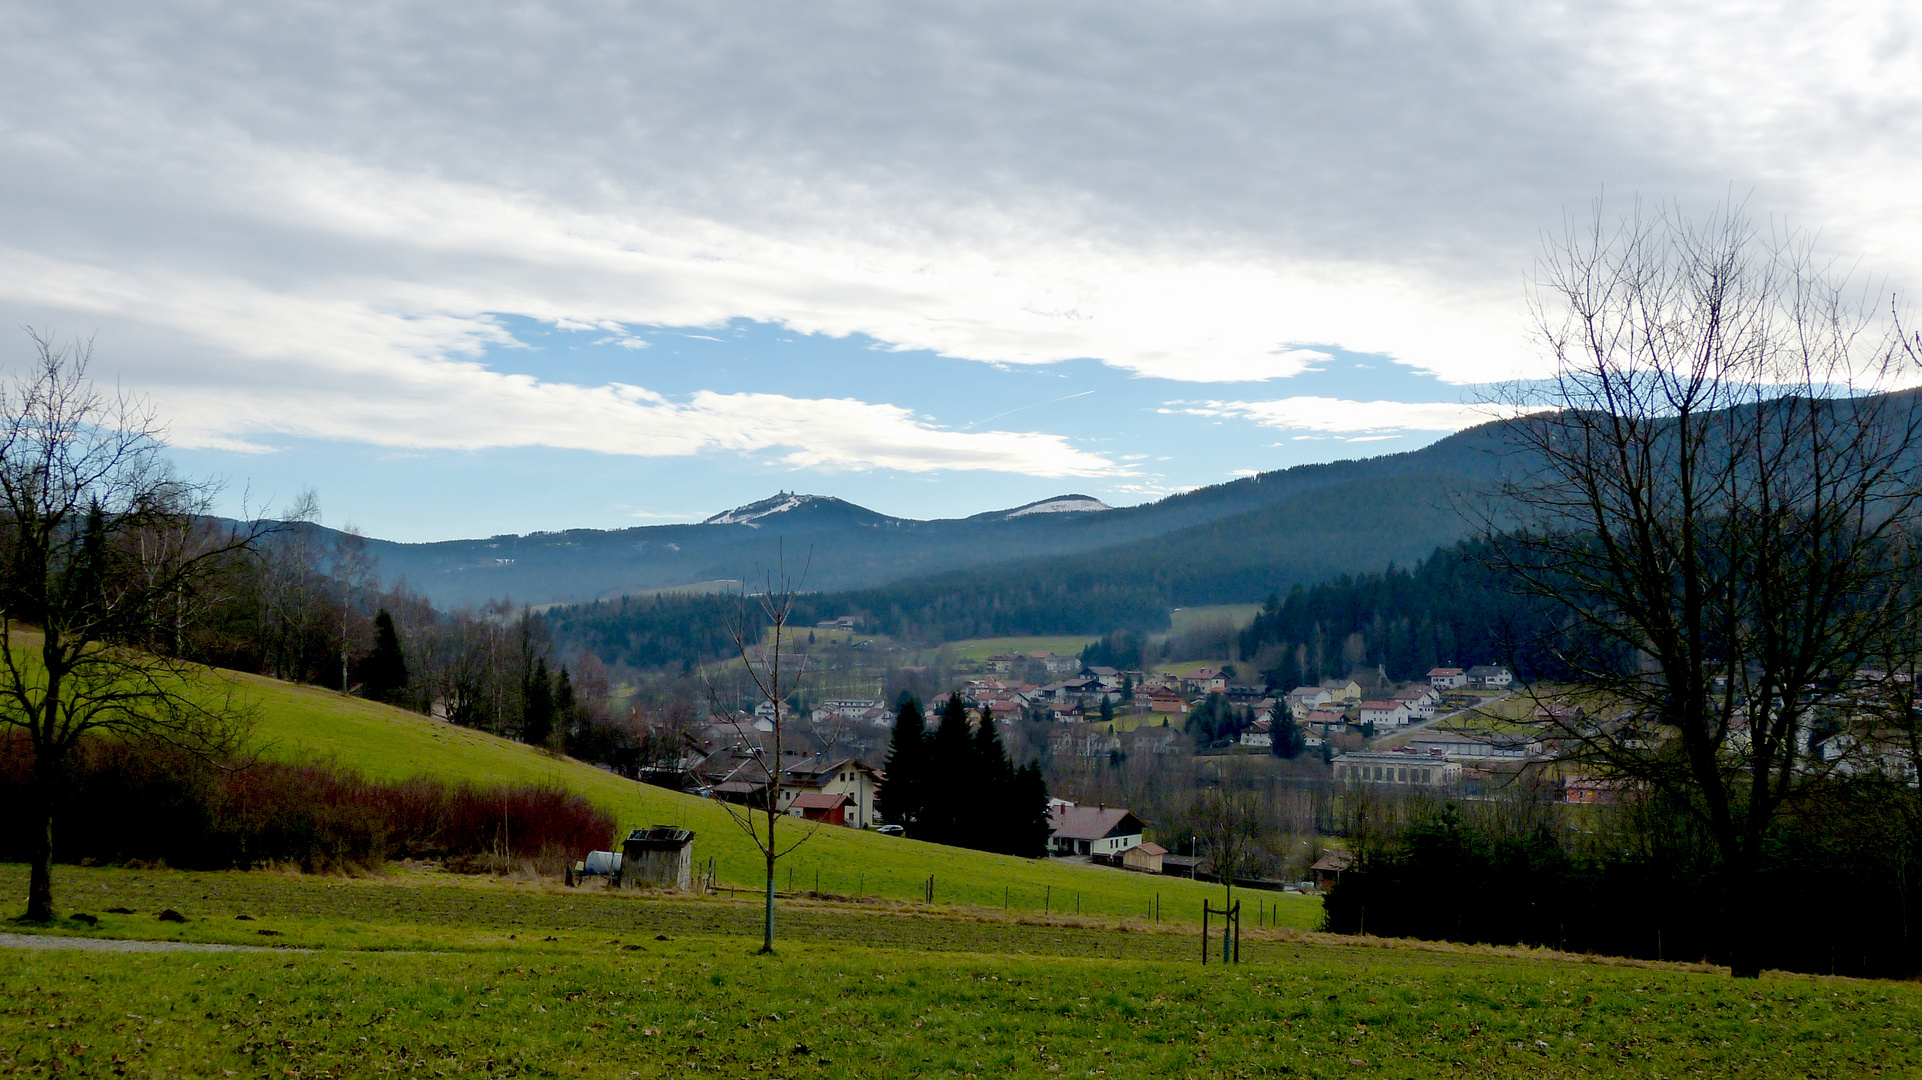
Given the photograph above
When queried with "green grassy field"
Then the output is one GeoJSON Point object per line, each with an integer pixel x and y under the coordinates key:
{"type": "Point", "coordinates": [982, 648]}
{"type": "Point", "coordinates": [1182, 620]}
{"type": "Point", "coordinates": [420, 975]}
{"type": "Point", "coordinates": [302, 721]}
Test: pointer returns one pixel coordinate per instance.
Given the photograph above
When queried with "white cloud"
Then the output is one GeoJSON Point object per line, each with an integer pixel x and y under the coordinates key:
{"type": "Point", "coordinates": [296, 218]}
{"type": "Point", "coordinates": [1341, 417]}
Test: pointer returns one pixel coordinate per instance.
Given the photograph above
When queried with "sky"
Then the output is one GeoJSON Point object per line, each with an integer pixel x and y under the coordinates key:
{"type": "Point", "coordinates": [468, 269]}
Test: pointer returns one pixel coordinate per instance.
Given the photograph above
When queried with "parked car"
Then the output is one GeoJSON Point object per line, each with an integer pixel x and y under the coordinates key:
{"type": "Point", "coordinates": [890, 830]}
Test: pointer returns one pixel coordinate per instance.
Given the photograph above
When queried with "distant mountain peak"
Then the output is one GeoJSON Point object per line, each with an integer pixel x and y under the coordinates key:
{"type": "Point", "coordinates": [1059, 504]}
{"type": "Point", "coordinates": [785, 503]}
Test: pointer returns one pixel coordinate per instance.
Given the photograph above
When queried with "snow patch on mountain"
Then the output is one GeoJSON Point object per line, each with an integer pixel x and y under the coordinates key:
{"type": "Point", "coordinates": [1060, 504]}
{"type": "Point", "coordinates": [754, 511]}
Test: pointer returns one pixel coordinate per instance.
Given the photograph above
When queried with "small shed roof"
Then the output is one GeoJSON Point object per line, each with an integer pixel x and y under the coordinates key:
{"type": "Point", "coordinates": [815, 800]}
{"type": "Point", "coordinates": [1149, 847]}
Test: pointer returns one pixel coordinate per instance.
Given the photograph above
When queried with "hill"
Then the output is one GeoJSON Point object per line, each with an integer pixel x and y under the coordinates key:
{"type": "Point", "coordinates": [850, 548]}
{"type": "Point", "coordinates": [1355, 526]}
{"type": "Point", "coordinates": [383, 742]}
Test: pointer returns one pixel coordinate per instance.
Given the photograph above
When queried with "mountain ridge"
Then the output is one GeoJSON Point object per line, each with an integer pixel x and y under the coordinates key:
{"type": "Point", "coordinates": [843, 546]}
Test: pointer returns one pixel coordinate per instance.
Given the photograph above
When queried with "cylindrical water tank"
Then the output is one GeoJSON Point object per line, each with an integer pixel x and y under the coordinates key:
{"type": "Point", "coordinates": [603, 863]}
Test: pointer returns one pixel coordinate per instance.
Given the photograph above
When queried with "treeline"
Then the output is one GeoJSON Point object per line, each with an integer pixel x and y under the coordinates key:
{"type": "Point", "coordinates": [306, 606]}
{"type": "Point", "coordinates": [1640, 879]}
{"type": "Point", "coordinates": [1451, 609]}
{"type": "Point", "coordinates": [154, 804]}
{"type": "Point", "coordinates": [956, 785]}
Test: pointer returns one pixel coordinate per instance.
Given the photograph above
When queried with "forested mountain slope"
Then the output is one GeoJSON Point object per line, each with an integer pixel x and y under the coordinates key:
{"type": "Point", "coordinates": [847, 547]}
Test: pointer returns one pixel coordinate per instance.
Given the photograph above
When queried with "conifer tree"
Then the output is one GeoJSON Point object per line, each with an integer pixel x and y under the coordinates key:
{"type": "Point", "coordinates": [1029, 812]}
{"type": "Point", "coordinates": [949, 772]}
{"type": "Point", "coordinates": [384, 676]}
{"type": "Point", "coordinates": [989, 802]}
{"type": "Point", "coordinates": [537, 711]}
{"type": "Point", "coordinates": [901, 799]}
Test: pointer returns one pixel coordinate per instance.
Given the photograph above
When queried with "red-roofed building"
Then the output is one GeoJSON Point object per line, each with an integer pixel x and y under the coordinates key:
{"type": "Point", "coordinates": [820, 806]}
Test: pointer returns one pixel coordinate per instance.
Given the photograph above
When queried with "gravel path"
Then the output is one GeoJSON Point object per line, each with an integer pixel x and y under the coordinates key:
{"type": "Point", "coordinates": [91, 944]}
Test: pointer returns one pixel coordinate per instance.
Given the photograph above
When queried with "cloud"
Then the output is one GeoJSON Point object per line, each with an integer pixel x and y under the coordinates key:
{"type": "Point", "coordinates": [1341, 417]}
{"type": "Point", "coordinates": [287, 210]}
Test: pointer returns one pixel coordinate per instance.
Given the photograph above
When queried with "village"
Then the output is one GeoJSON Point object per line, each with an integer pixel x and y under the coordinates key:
{"type": "Point", "coordinates": [1442, 733]}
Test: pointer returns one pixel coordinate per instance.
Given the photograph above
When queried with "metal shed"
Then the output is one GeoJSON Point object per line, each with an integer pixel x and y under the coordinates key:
{"type": "Point", "coordinates": [659, 855]}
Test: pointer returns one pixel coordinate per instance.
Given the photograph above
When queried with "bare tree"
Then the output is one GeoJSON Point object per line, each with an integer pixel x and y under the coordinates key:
{"type": "Point", "coordinates": [762, 643]}
{"type": "Point", "coordinates": [1228, 824]}
{"type": "Point", "coordinates": [1722, 504]}
{"type": "Point", "coordinates": [105, 555]}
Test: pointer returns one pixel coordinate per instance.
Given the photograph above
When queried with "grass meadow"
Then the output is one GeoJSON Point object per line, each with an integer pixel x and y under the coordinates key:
{"type": "Point", "coordinates": [424, 975]}
{"type": "Point", "coordinates": [296, 721]}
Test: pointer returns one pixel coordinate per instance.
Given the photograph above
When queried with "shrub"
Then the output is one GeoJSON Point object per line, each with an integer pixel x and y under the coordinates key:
{"type": "Point", "coordinates": [151, 803]}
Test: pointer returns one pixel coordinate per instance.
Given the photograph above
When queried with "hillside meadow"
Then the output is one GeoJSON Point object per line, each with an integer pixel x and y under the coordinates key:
{"type": "Point", "coordinates": [294, 721]}
{"type": "Point", "coordinates": [417, 974]}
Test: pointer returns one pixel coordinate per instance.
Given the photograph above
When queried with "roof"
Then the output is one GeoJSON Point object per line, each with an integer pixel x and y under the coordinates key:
{"type": "Point", "coordinates": [1487, 669]}
{"type": "Point", "coordinates": [1335, 861]}
{"type": "Point", "coordinates": [1148, 847]}
{"type": "Point", "coordinates": [1092, 822]}
{"type": "Point", "coordinates": [814, 800]}
{"type": "Point", "coordinates": [1386, 706]}
{"type": "Point", "coordinates": [1432, 672]}
{"type": "Point", "coordinates": [819, 766]}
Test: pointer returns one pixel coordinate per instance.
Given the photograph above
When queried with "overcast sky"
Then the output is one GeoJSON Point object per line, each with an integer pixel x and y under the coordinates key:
{"type": "Point", "coordinates": [469, 270]}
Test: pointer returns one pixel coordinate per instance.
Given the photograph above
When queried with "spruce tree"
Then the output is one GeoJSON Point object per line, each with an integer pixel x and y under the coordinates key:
{"type": "Point", "coordinates": [949, 775]}
{"type": "Point", "coordinates": [993, 790]}
{"type": "Point", "coordinates": [901, 799]}
{"type": "Point", "coordinates": [537, 708]}
{"type": "Point", "coordinates": [1029, 812]}
{"type": "Point", "coordinates": [384, 674]}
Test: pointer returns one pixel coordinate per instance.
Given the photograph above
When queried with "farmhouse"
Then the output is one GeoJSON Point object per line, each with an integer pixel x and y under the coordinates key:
{"type": "Point", "coordinates": [1420, 702]}
{"type": "Point", "coordinates": [1447, 678]}
{"type": "Point", "coordinates": [1490, 677]}
{"type": "Point", "coordinates": [833, 776]}
{"type": "Point", "coordinates": [1101, 831]}
{"type": "Point", "coordinates": [1166, 701]}
{"type": "Point", "coordinates": [1384, 714]}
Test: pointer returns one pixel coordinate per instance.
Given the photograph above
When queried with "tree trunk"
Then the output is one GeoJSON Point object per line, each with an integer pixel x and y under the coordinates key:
{"type": "Point", "coordinates": [40, 878]}
{"type": "Point", "coordinates": [1741, 928]}
{"type": "Point", "coordinates": [767, 918]}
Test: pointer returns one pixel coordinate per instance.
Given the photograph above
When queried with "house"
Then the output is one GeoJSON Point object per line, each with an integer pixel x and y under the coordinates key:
{"type": "Point", "coordinates": [1326, 718]}
{"type": "Point", "coordinates": [1582, 791]}
{"type": "Point", "coordinates": [833, 776]}
{"type": "Point", "coordinates": [1260, 734]}
{"type": "Point", "coordinates": [1152, 740]}
{"type": "Point", "coordinates": [1100, 831]}
{"type": "Point", "coordinates": [1303, 700]}
{"type": "Point", "coordinates": [1207, 681]}
{"type": "Point", "coordinates": [1327, 869]}
{"type": "Point", "coordinates": [1342, 690]}
{"type": "Point", "coordinates": [820, 806]}
{"type": "Point", "coordinates": [1385, 715]}
{"type": "Point", "coordinates": [1145, 857]}
{"type": "Point", "coordinates": [1420, 702]}
{"type": "Point", "coordinates": [1003, 663]}
{"type": "Point", "coordinates": [1447, 678]}
{"type": "Point", "coordinates": [1490, 677]}
{"type": "Point", "coordinates": [845, 622]}
{"type": "Point", "coordinates": [1166, 701]}
{"type": "Point", "coordinates": [1400, 768]}
{"type": "Point", "coordinates": [1056, 664]}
